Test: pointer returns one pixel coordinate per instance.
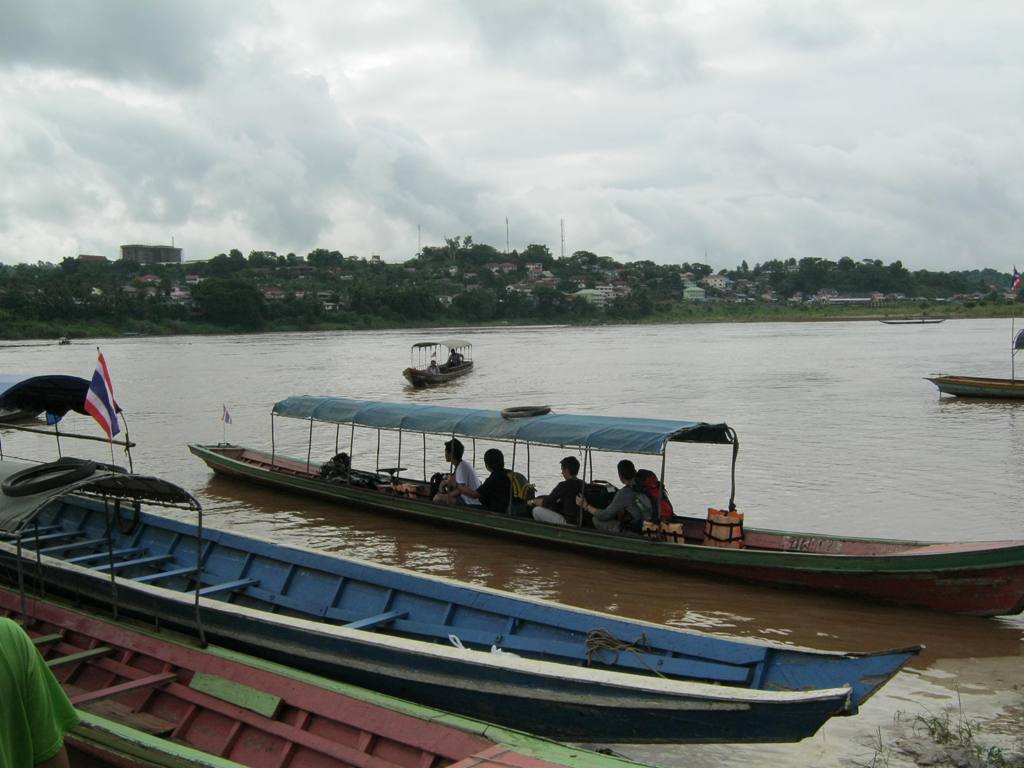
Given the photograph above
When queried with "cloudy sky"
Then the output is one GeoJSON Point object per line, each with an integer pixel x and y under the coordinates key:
{"type": "Point", "coordinates": [654, 129]}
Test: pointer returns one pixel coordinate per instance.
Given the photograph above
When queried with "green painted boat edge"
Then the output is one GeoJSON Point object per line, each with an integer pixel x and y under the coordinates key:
{"type": "Point", "coordinates": [651, 551]}
{"type": "Point", "coordinates": [533, 746]}
{"type": "Point", "coordinates": [128, 742]}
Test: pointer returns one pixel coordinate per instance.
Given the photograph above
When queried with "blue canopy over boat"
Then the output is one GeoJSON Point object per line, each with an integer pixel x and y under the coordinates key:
{"type": "Point", "coordinates": [606, 433]}
{"type": "Point", "coordinates": [54, 393]}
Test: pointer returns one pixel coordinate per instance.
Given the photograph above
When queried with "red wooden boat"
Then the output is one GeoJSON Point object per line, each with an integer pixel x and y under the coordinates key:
{"type": "Point", "coordinates": [146, 699]}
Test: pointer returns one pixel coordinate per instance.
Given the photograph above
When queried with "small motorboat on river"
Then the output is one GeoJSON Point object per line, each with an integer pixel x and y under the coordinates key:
{"type": "Point", "coordinates": [424, 369]}
{"type": "Point", "coordinates": [980, 578]}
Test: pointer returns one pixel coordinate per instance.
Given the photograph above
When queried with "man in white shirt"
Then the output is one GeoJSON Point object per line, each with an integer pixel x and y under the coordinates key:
{"type": "Point", "coordinates": [462, 479]}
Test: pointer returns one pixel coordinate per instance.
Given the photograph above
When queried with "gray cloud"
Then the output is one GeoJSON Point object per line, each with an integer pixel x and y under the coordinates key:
{"type": "Point", "coordinates": [655, 129]}
{"type": "Point", "coordinates": [167, 41]}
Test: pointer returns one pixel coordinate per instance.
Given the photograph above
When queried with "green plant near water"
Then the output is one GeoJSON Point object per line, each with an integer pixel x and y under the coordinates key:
{"type": "Point", "coordinates": [947, 739]}
{"type": "Point", "coordinates": [960, 733]}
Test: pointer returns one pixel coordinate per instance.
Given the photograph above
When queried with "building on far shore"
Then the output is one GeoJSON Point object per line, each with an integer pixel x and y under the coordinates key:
{"type": "Point", "coordinates": [90, 259]}
{"type": "Point", "coordinates": [151, 254]}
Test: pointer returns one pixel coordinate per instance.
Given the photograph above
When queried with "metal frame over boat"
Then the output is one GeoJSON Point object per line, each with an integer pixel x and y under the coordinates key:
{"type": "Point", "coordinates": [423, 352]}
{"type": "Point", "coordinates": [546, 668]}
{"type": "Point", "coordinates": [149, 699]}
{"type": "Point", "coordinates": [979, 578]}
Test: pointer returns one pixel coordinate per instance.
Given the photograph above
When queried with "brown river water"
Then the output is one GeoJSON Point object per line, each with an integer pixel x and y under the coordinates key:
{"type": "Point", "coordinates": [839, 432]}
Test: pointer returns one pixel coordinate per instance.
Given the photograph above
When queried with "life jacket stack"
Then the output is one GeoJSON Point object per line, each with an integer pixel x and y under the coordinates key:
{"type": "Point", "coordinates": [723, 529]}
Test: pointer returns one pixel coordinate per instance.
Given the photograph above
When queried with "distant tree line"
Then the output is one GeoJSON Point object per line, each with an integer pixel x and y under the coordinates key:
{"type": "Point", "coordinates": [459, 282]}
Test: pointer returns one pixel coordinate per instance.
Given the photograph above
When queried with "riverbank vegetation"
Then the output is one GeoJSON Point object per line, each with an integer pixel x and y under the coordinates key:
{"type": "Point", "coordinates": [466, 283]}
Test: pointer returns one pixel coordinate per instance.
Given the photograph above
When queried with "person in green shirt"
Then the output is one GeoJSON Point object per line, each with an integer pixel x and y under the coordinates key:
{"type": "Point", "coordinates": [34, 710]}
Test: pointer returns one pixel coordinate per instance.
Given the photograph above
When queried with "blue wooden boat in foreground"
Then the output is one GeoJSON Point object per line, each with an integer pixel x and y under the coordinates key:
{"type": "Point", "coordinates": [542, 667]}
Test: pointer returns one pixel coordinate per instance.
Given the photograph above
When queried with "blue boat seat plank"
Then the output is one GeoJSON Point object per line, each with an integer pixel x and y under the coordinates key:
{"type": "Point", "coordinates": [73, 545]}
{"type": "Point", "coordinates": [28, 532]}
{"type": "Point", "coordinates": [227, 586]}
{"type": "Point", "coordinates": [31, 538]}
{"type": "Point", "coordinates": [150, 577]}
{"type": "Point", "coordinates": [375, 621]}
{"type": "Point", "coordinates": [83, 559]}
{"type": "Point", "coordinates": [150, 560]}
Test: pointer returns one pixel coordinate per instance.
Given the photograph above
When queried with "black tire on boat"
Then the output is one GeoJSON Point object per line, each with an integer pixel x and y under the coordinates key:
{"type": "Point", "coordinates": [46, 477]}
{"type": "Point", "coordinates": [524, 411]}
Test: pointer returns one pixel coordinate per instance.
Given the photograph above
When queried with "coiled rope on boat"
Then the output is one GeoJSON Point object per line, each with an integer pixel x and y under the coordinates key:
{"type": "Point", "coordinates": [602, 640]}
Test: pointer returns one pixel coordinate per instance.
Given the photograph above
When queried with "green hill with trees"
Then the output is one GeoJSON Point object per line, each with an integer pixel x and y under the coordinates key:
{"type": "Point", "coordinates": [464, 282]}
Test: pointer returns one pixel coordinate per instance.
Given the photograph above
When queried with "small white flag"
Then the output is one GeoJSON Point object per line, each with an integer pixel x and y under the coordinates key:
{"type": "Point", "coordinates": [225, 416]}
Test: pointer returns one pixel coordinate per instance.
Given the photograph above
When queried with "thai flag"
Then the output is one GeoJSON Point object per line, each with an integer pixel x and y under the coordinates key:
{"type": "Point", "coordinates": [225, 415]}
{"type": "Point", "coordinates": [99, 400]}
{"type": "Point", "coordinates": [1015, 282]}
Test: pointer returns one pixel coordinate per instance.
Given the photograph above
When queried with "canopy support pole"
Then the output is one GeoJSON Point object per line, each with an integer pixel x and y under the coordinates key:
{"type": "Point", "coordinates": [351, 442]}
{"type": "Point", "coordinates": [732, 488]}
{"type": "Point", "coordinates": [424, 455]}
{"type": "Point", "coordinates": [337, 434]}
{"type": "Point", "coordinates": [399, 462]}
{"type": "Point", "coordinates": [273, 447]}
{"type": "Point", "coordinates": [110, 557]}
{"type": "Point", "coordinates": [377, 468]}
{"type": "Point", "coordinates": [309, 445]}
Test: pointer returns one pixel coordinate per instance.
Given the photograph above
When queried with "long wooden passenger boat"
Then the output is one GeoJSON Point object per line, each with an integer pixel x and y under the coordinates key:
{"type": "Point", "coordinates": [979, 578]}
{"type": "Point", "coordinates": [981, 386]}
{"type": "Point", "coordinates": [978, 386]}
{"type": "Point", "coordinates": [538, 666]}
{"type": "Point", "coordinates": [149, 699]}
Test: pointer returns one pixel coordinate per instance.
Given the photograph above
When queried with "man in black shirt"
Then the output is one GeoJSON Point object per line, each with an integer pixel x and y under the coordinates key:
{"type": "Point", "coordinates": [559, 506]}
{"type": "Point", "coordinates": [494, 492]}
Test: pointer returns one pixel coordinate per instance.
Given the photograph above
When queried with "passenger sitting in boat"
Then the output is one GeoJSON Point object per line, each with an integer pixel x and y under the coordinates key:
{"type": "Point", "coordinates": [454, 358]}
{"type": "Point", "coordinates": [627, 510]}
{"type": "Point", "coordinates": [494, 492]}
{"type": "Point", "coordinates": [559, 506]}
{"type": "Point", "coordinates": [432, 368]}
{"type": "Point", "coordinates": [337, 468]}
{"type": "Point", "coordinates": [463, 479]}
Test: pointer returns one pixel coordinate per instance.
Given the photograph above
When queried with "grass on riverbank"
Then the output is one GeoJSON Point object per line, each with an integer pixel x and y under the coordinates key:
{"type": "Point", "coordinates": [684, 313]}
{"type": "Point", "coordinates": [947, 740]}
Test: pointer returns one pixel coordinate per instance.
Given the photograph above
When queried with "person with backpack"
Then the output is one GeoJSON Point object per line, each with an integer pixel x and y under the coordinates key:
{"type": "Point", "coordinates": [559, 506]}
{"type": "Point", "coordinates": [628, 508]}
{"type": "Point", "coordinates": [647, 483]}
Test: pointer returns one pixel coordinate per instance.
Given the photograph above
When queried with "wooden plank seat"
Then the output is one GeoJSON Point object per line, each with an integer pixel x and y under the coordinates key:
{"type": "Point", "coordinates": [122, 564]}
{"type": "Point", "coordinates": [28, 537]}
{"type": "Point", "coordinates": [127, 552]}
{"type": "Point", "coordinates": [47, 639]}
{"type": "Point", "coordinates": [28, 532]}
{"type": "Point", "coordinates": [149, 681]}
{"type": "Point", "coordinates": [74, 658]}
{"type": "Point", "coordinates": [227, 586]}
{"type": "Point", "coordinates": [151, 577]}
{"type": "Point", "coordinates": [72, 545]}
{"type": "Point", "coordinates": [370, 622]}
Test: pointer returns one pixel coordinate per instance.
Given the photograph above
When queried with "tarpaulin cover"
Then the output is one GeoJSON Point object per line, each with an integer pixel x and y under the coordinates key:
{"type": "Point", "coordinates": [606, 433]}
{"type": "Point", "coordinates": [52, 393]}
{"type": "Point", "coordinates": [18, 511]}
